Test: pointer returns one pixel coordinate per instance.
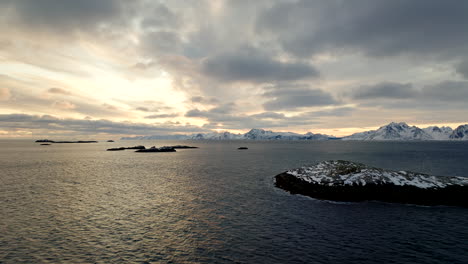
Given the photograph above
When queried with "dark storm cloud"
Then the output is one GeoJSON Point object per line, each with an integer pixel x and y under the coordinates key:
{"type": "Point", "coordinates": [65, 16]}
{"type": "Point", "coordinates": [385, 90]}
{"type": "Point", "coordinates": [249, 64]}
{"type": "Point", "coordinates": [375, 27]}
{"type": "Point", "coordinates": [289, 97]}
{"type": "Point", "coordinates": [11, 122]}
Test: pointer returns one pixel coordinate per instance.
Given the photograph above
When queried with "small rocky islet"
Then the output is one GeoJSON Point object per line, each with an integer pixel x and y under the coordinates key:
{"type": "Point", "coordinates": [53, 141]}
{"type": "Point", "coordinates": [141, 148]}
{"type": "Point", "coordinates": [339, 180]}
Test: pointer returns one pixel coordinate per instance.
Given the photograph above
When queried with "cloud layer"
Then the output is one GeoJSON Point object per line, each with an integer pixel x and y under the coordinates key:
{"type": "Point", "coordinates": [172, 66]}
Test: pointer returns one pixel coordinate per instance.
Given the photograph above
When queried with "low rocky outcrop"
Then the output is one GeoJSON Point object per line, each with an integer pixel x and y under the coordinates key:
{"type": "Point", "coordinates": [349, 181]}
{"type": "Point", "coordinates": [79, 141]}
{"type": "Point", "coordinates": [124, 148]}
{"type": "Point", "coordinates": [136, 147]}
{"type": "Point", "coordinates": [155, 149]}
{"type": "Point", "coordinates": [183, 147]}
{"type": "Point", "coordinates": [141, 148]}
{"type": "Point", "coordinates": [116, 149]}
{"type": "Point", "coordinates": [43, 140]}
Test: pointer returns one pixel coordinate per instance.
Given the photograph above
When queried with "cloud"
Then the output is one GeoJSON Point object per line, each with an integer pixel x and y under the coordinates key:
{"type": "Point", "coordinates": [110, 107]}
{"type": "Point", "coordinates": [143, 109]}
{"type": "Point", "coordinates": [64, 105]}
{"type": "Point", "coordinates": [385, 55]}
{"type": "Point", "coordinates": [162, 116]}
{"type": "Point", "coordinates": [446, 91]}
{"type": "Point", "coordinates": [249, 64]}
{"type": "Point", "coordinates": [149, 106]}
{"type": "Point", "coordinates": [374, 27]}
{"type": "Point", "coordinates": [269, 115]}
{"type": "Point", "coordinates": [339, 111]}
{"type": "Point", "coordinates": [161, 42]}
{"type": "Point", "coordinates": [5, 94]}
{"type": "Point", "coordinates": [462, 68]}
{"type": "Point", "coordinates": [59, 91]}
{"type": "Point", "coordinates": [161, 18]}
{"type": "Point", "coordinates": [204, 100]}
{"type": "Point", "coordinates": [65, 16]}
{"type": "Point", "coordinates": [13, 122]}
{"type": "Point", "coordinates": [385, 90]}
{"type": "Point", "coordinates": [235, 120]}
{"type": "Point", "coordinates": [293, 97]}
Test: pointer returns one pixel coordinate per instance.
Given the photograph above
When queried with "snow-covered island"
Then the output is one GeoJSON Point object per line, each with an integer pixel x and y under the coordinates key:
{"type": "Point", "coordinates": [349, 181]}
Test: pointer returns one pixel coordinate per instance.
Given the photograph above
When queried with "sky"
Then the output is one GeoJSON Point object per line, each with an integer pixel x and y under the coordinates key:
{"type": "Point", "coordinates": [107, 68]}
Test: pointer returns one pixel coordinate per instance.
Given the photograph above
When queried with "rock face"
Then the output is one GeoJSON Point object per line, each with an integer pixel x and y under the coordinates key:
{"type": "Point", "coordinates": [349, 181]}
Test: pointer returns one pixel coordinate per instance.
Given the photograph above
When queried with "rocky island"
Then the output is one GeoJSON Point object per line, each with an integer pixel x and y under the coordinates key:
{"type": "Point", "coordinates": [349, 181]}
{"type": "Point", "coordinates": [124, 148]}
{"type": "Point", "coordinates": [155, 149]}
{"type": "Point", "coordinates": [52, 141]}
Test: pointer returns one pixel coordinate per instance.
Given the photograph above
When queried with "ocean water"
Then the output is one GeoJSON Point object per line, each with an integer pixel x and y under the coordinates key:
{"type": "Point", "coordinates": [77, 203]}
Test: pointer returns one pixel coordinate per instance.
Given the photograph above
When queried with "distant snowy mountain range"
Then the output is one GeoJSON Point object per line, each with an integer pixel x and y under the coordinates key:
{"type": "Point", "coordinates": [254, 134]}
{"type": "Point", "coordinates": [392, 131]}
{"type": "Point", "coordinates": [402, 131]}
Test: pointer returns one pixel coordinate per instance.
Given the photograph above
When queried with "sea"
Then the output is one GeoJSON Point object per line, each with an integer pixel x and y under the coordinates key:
{"type": "Point", "coordinates": [78, 203]}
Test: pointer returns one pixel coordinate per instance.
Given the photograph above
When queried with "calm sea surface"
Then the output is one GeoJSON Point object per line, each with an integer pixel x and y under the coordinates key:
{"type": "Point", "coordinates": [77, 203]}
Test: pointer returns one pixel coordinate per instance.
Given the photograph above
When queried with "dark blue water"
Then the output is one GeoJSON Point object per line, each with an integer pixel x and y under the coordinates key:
{"type": "Point", "coordinates": [77, 203]}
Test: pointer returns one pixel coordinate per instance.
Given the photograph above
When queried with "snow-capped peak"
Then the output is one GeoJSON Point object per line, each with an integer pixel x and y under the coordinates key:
{"type": "Point", "coordinates": [460, 133]}
{"type": "Point", "coordinates": [439, 133]}
{"type": "Point", "coordinates": [392, 131]}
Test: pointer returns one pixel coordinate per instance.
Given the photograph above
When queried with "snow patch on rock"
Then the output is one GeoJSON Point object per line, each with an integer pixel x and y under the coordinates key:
{"type": "Point", "coordinates": [340, 173]}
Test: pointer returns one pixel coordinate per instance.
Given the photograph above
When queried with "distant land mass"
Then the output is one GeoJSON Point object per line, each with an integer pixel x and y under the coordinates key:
{"type": "Point", "coordinates": [253, 134]}
{"type": "Point", "coordinates": [391, 132]}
